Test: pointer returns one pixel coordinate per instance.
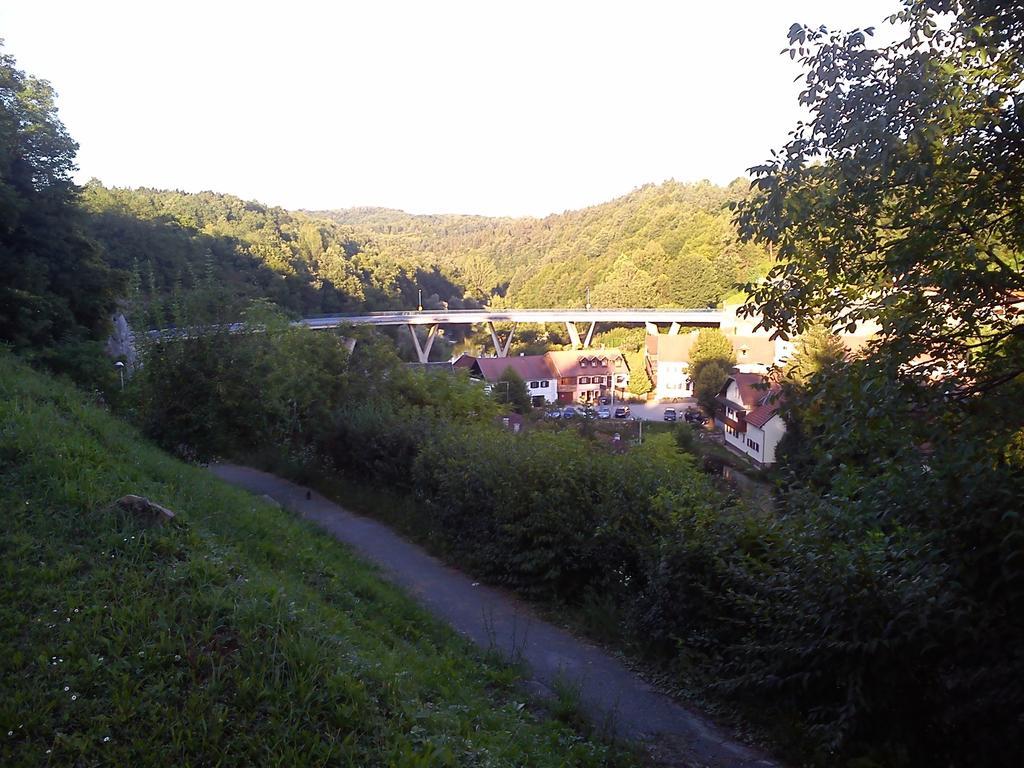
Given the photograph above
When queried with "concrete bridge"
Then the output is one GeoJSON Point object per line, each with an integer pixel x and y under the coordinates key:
{"type": "Point", "coordinates": [433, 319]}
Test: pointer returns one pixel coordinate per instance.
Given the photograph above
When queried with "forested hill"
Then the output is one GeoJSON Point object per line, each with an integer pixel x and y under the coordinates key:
{"type": "Point", "coordinates": [666, 244]}
{"type": "Point", "coordinates": [173, 243]}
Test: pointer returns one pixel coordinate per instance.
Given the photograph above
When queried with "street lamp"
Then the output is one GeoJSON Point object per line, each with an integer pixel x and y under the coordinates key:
{"type": "Point", "coordinates": [419, 302]}
{"type": "Point", "coordinates": [120, 369]}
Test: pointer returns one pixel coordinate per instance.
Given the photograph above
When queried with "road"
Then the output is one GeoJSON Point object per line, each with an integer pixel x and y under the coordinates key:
{"type": "Point", "coordinates": [609, 692]}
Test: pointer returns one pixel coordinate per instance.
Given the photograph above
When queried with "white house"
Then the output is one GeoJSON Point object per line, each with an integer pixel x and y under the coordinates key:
{"type": "Point", "coordinates": [667, 360]}
{"type": "Point", "coordinates": [748, 412]}
{"type": "Point", "coordinates": [535, 370]}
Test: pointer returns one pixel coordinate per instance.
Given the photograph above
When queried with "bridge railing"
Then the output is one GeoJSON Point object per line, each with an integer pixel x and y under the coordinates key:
{"type": "Point", "coordinates": [509, 310]}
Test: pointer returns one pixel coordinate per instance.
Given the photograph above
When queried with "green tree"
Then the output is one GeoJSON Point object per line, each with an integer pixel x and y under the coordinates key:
{"type": "Point", "coordinates": [707, 382]}
{"type": "Point", "coordinates": [817, 349]}
{"type": "Point", "coordinates": [711, 358]}
{"type": "Point", "coordinates": [55, 288]}
{"type": "Point", "coordinates": [899, 201]}
{"type": "Point", "coordinates": [639, 381]}
{"type": "Point", "coordinates": [511, 388]}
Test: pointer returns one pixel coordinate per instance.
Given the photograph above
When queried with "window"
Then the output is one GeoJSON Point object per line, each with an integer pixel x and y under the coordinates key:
{"type": "Point", "coordinates": [583, 363]}
{"type": "Point", "coordinates": [534, 384]}
{"type": "Point", "coordinates": [584, 379]}
{"type": "Point", "coordinates": [545, 383]}
{"type": "Point", "coordinates": [568, 380]}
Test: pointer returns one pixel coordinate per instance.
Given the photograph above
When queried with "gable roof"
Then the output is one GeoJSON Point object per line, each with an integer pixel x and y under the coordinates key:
{"type": "Point", "coordinates": [673, 348]}
{"type": "Point", "coordinates": [529, 367]}
{"type": "Point", "coordinates": [750, 386]}
{"type": "Point", "coordinates": [570, 362]}
{"type": "Point", "coordinates": [759, 403]}
{"type": "Point", "coordinates": [676, 348]}
{"type": "Point", "coordinates": [753, 349]}
{"type": "Point", "coordinates": [766, 411]}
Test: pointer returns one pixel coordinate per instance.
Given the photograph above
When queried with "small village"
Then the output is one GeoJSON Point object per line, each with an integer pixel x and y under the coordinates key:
{"type": "Point", "coordinates": [595, 383]}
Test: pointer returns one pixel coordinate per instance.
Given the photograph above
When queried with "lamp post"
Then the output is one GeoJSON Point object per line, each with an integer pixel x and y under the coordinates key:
{"type": "Point", "coordinates": [120, 369]}
{"type": "Point", "coordinates": [419, 301]}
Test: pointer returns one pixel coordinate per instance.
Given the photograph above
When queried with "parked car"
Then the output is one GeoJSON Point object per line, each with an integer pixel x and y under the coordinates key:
{"type": "Point", "coordinates": [569, 412]}
{"type": "Point", "coordinates": [604, 400]}
{"type": "Point", "coordinates": [670, 414]}
{"type": "Point", "coordinates": [693, 416]}
{"type": "Point", "coordinates": [604, 413]}
{"type": "Point", "coordinates": [553, 414]}
{"type": "Point", "coordinates": [622, 412]}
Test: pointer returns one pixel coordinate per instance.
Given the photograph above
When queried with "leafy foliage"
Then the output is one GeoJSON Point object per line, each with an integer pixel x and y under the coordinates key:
{"type": "Point", "coordinates": [510, 388]}
{"type": "Point", "coordinates": [899, 202]}
{"type": "Point", "coordinates": [711, 358]}
{"type": "Point", "coordinates": [173, 243]}
{"type": "Point", "coordinates": [56, 292]}
{"type": "Point", "coordinates": [661, 245]}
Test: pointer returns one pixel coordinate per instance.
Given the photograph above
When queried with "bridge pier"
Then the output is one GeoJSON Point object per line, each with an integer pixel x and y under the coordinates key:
{"type": "Point", "coordinates": [423, 350]}
{"type": "Point", "coordinates": [574, 334]}
{"type": "Point", "coordinates": [652, 328]}
{"type": "Point", "coordinates": [501, 349]}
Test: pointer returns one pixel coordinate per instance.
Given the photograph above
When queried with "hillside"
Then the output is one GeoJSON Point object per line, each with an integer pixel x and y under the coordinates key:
{"type": "Point", "coordinates": [233, 635]}
{"type": "Point", "coordinates": [172, 243]}
{"type": "Point", "coordinates": [667, 244]}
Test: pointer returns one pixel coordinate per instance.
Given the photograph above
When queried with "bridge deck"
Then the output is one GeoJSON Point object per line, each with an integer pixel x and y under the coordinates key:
{"type": "Point", "coordinates": [471, 316]}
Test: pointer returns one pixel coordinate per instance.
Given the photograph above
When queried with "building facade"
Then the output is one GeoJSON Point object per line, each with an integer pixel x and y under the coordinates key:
{"type": "Point", "coordinates": [747, 409]}
{"type": "Point", "coordinates": [571, 376]}
{"type": "Point", "coordinates": [585, 376]}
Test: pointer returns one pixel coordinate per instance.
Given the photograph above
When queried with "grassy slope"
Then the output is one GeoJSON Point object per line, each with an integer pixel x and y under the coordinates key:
{"type": "Point", "coordinates": [235, 635]}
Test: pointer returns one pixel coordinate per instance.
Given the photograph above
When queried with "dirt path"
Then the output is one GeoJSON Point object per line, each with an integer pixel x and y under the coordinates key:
{"type": "Point", "coordinates": [609, 692]}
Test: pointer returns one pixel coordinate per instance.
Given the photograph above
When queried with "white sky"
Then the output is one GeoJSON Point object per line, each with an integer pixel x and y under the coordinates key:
{"type": "Point", "coordinates": [500, 108]}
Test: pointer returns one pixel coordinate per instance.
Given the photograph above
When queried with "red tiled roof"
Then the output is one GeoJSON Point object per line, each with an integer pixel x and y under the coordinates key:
{"type": "Point", "coordinates": [759, 403]}
{"type": "Point", "coordinates": [529, 367]}
{"type": "Point", "coordinates": [464, 361]}
{"type": "Point", "coordinates": [568, 363]}
{"type": "Point", "coordinates": [749, 385]}
{"type": "Point", "coordinates": [763, 413]}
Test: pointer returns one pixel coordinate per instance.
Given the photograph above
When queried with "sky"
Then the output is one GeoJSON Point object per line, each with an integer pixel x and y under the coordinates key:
{"type": "Point", "coordinates": [496, 108]}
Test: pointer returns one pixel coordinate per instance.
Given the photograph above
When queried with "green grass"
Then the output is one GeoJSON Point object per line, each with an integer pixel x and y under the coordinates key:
{"type": "Point", "coordinates": [235, 635]}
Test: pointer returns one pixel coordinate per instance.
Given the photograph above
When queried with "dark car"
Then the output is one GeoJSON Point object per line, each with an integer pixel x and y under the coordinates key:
{"type": "Point", "coordinates": [693, 416]}
{"type": "Point", "coordinates": [604, 400]}
{"type": "Point", "coordinates": [670, 414]}
{"type": "Point", "coordinates": [554, 414]}
{"type": "Point", "coordinates": [622, 412]}
{"type": "Point", "coordinates": [569, 412]}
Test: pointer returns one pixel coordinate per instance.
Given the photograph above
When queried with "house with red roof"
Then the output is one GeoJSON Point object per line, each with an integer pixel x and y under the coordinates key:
{"type": "Point", "coordinates": [570, 376]}
{"type": "Point", "coordinates": [586, 375]}
{"type": "Point", "coordinates": [748, 409]}
{"type": "Point", "coordinates": [535, 370]}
